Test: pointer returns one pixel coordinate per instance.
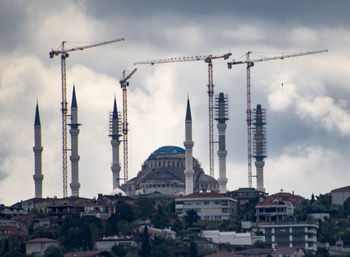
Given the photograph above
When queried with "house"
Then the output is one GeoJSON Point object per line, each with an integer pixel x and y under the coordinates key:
{"type": "Point", "coordinates": [277, 207]}
{"type": "Point", "coordinates": [38, 246]}
{"type": "Point", "coordinates": [291, 234]}
{"type": "Point", "coordinates": [231, 237]}
{"type": "Point", "coordinates": [209, 206]}
{"type": "Point", "coordinates": [106, 243]}
{"type": "Point", "coordinates": [339, 195]}
{"type": "Point", "coordinates": [244, 195]}
{"type": "Point", "coordinates": [11, 227]}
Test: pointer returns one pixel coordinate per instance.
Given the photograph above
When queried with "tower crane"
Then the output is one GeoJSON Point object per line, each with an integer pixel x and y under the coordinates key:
{"type": "Point", "coordinates": [207, 59]}
{"type": "Point", "coordinates": [123, 84]}
{"type": "Point", "coordinates": [250, 63]}
{"type": "Point", "coordinates": [64, 54]}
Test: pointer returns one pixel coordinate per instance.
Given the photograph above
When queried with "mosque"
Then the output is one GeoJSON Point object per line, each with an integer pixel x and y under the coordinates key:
{"type": "Point", "coordinates": [169, 170]}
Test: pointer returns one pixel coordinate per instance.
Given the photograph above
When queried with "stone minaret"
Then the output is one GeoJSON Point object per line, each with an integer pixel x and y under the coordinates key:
{"type": "Point", "coordinates": [259, 145]}
{"type": "Point", "coordinates": [38, 177]}
{"type": "Point", "coordinates": [74, 158]}
{"type": "Point", "coordinates": [115, 134]}
{"type": "Point", "coordinates": [188, 146]}
{"type": "Point", "coordinates": [221, 113]}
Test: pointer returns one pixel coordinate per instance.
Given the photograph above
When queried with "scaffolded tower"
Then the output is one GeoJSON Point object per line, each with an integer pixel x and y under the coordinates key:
{"type": "Point", "coordinates": [222, 116]}
{"type": "Point", "coordinates": [115, 128]}
{"type": "Point", "coordinates": [259, 118]}
{"type": "Point", "coordinates": [37, 149]}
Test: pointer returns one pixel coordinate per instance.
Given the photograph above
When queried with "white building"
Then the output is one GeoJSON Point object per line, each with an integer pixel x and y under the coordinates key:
{"type": "Point", "coordinates": [339, 195]}
{"type": "Point", "coordinates": [231, 237]}
{"type": "Point", "coordinates": [298, 235]}
{"type": "Point", "coordinates": [209, 206]}
{"type": "Point", "coordinates": [38, 246]}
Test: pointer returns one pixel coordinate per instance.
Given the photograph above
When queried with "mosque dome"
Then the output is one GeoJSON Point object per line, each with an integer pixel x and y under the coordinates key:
{"type": "Point", "coordinates": [163, 172]}
{"type": "Point", "coordinates": [118, 191]}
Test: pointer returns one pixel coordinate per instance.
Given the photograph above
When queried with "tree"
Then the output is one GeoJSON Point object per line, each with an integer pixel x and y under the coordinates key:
{"type": "Point", "coordinates": [112, 225]}
{"type": "Point", "coordinates": [13, 253]}
{"type": "Point", "coordinates": [193, 249]}
{"type": "Point", "coordinates": [124, 211]}
{"type": "Point", "coordinates": [191, 217]}
{"type": "Point", "coordinates": [146, 247]}
{"type": "Point", "coordinates": [118, 250]}
{"type": "Point", "coordinates": [144, 207]}
{"type": "Point", "coordinates": [53, 251]}
{"type": "Point", "coordinates": [160, 219]}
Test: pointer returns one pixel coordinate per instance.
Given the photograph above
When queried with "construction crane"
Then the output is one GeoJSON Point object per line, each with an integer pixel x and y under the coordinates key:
{"type": "Point", "coordinates": [207, 59]}
{"type": "Point", "coordinates": [250, 63]}
{"type": "Point", "coordinates": [64, 54]}
{"type": "Point", "coordinates": [124, 84]}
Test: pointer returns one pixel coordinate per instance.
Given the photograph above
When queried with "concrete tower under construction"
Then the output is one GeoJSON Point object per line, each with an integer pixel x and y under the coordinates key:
{"type": "Point", "coordinates": [37, 149]}
{"type": "Point", "coordinates": [188, 143]}
{"type": "Point", "coordinates": [259, 121]}
{"type": "Point", "coordinates": [115, 128]}
{"type": "Point", "coordinates": [74, 158]}
{"type": "Point", "coordinates": [221, 117]}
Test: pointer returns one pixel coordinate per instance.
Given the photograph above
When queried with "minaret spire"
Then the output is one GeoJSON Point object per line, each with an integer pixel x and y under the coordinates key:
{"type": "Point", "coordinates": [37, 149]}
{"type": "Point", "coordinates": [221, 113]}
{"type": "Point", "coordinates": [188, 143]}
{"type": "Point", "coordinates": [74, 158]}
{"type": "Point", "coordinates": [115, 134]}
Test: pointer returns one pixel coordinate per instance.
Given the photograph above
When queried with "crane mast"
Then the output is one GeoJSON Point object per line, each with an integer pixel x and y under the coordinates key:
{"type": "Point", "coordinates": [250, 63]}
{"type": "Point", "coordinates": [64, 54]}
{"type": "Point", "coordinates": [123, 85]}
{"type": "Point", "coordinates": [207, 59]}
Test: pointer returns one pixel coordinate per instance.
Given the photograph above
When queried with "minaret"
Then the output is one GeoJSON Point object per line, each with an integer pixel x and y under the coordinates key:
{"type": "Point", "coordinates": [188, 156]}
{"type": "Point", "coordinates": [221, 113]}
{"type": "Point", "coordinates": [115, 134]}
{"type": "Point", "coordinates": [37, 149]}
{"type": "Point", "coordinates": [74, 158]}
{"type": "Point", "coordinates": [259, 145]}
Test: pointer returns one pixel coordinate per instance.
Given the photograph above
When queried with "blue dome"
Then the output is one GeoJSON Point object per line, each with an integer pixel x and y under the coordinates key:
{"type": "Point", "coordinates": [167, 150]}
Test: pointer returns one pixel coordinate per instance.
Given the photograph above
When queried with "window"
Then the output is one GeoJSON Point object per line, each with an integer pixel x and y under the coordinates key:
{"type": "Point", "coordinates": [282, 238]}
{"type": "Point", "coordinates": [282, 230]}
{"type": "Point", "coordinates": [206, 202]}
{"type": "Point", "coordinates": [298, 229]}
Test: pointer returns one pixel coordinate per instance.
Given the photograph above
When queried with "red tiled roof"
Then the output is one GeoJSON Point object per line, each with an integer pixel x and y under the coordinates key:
{"type": "Point", "coordinates": [42, 240]}
{"type": "Point", "coordinates": [294, 199]}
{"type": "Point", "coordinates": [342, 189]}
{"type": "Point", "coordinates": [204, 195]}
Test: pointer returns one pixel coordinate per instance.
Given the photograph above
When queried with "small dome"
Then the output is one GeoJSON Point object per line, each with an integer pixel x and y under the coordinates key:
{"type": "Point", "coordinates": [118, 191]}
{"type": "Point", "coordinates": [167, 151]}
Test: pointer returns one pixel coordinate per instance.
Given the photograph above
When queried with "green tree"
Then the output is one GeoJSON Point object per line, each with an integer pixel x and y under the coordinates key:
{"type": "Point", "coordinates": [118, 250]}
{"type": "Point", "coordinates": [146, 247]}
{"type": "Point", "coordinates": [124, 211]}
{"type": "Point", "coordinates": [53, 251]}
{"type": "Point", "coordinates": [112, 225]}
{"type": "Point", "coordinates": [191, 217]}
{"type": "Point", "coordinates": [14, 253]}
{"type": "Point", "coordinates": [161, 218]}
{"type": "Point", "coordinates": [144, 207]}
{"type": "Point", "coordinates": [193, 249]}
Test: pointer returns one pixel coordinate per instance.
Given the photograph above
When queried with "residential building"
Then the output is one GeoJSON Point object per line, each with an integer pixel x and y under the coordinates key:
{"type": "Point", "coordinates": [299, 235]}
{"type": "Point", "coordinates": [209, 206]}
{"type": "Point", "coordinates": [277, 207]}
{"type": "Point", "coordinates": [11, 227]}
{"type": "Point", "coordinates": [38, 246]}
{"type": "Point", "coordinates": [231, 237]}
{"type": "Point", "coordinates": [244, 194]}
{"type": "Point", "coordinates": [339, 195]}
{"type": "Point", "coordinates": [106, 243]}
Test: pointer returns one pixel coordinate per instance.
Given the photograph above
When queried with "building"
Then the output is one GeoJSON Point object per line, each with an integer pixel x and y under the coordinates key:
{"type": "Point", "coordinates": [209, 206]}
{"type": "Point", "coordinates": [11, 227]}
{"type": "Point", "coordinates": [298, 235]}
{"type": "Point", "coordinates": [163, 172]}
{"type": "Point", "coordinates": [98, 253]}
{"type": "Point", "coordinates": [261, 252]}
{"type": "Point", "coordinates": [231, 237]}
{"type": "Point", "coordinates": [244, 194]}
{"type": "Point", "coordinates": [38, 246]}
{"type": "Point", "coordinates": [277, 207]}
{"type": "Point", "coordinates": [106, 243]}
{"type": "Point", "coordinates": [339, 195]}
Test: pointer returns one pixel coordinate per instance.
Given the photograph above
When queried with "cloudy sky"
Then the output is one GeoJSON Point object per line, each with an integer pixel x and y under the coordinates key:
{"type": "Point", "coordinates": [308, 131]}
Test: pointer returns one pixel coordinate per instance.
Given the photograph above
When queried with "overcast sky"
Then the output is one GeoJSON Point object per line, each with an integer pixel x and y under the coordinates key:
{"type": "Point", "coordinates": [308, 130]}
